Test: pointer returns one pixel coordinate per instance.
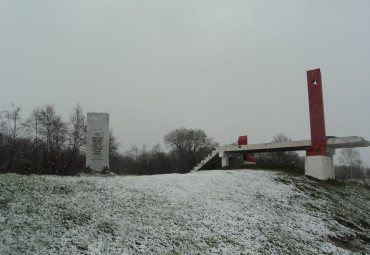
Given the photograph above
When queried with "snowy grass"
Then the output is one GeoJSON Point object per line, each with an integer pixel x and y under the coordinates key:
{"type": "Point", "coordinates": [209, 212]}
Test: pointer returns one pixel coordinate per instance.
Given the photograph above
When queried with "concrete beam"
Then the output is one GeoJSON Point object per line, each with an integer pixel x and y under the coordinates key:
{"type": "Point", "coordinates": [285, 146]}
{"type": "Point", "coordinates": [347, 142]}
{"type": "Point", "coordinates": [225, 152]}
{"type": "Point", "coordinates": [333, 143]}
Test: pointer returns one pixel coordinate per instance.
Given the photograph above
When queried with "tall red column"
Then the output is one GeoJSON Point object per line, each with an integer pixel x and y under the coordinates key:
{"type": "Point", "coordinates": [317, 119]}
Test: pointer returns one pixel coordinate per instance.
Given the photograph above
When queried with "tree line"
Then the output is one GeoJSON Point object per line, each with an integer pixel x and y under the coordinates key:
{"type": "Point", "coordinates": [187, 148]}
{"type": "Point", "coordinates": [351, 166]}
{"type": "Point", "coordinates": [43, 143]}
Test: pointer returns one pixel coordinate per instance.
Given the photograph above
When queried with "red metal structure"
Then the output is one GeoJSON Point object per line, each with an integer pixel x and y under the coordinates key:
{"type": "Point", "coordinates": [319, 150]}
{"type": "Point", "coordinates": [317, 120]}
{"type": "Point", "coordinates": [243, 140]}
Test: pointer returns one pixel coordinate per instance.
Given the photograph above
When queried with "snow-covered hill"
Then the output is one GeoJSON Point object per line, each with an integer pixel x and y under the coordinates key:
{"type": "Point", "coordinates": [210, 212]}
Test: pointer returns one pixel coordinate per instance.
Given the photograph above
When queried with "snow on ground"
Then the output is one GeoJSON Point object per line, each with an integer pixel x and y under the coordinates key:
{"type": "Point", "coordinates": [210, 212]}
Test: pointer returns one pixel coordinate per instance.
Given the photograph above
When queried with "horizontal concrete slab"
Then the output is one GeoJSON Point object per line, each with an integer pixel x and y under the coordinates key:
{"type": "Point", "coordinates": [332, 144]}
{"type": "Point", "coordinates": [347, 142]}
{"type": "Point", "coordinates": [337, 142]}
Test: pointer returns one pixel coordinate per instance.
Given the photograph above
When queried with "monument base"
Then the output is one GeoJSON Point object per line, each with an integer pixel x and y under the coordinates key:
{"type": "Point", "coordinates": [225, 159]}
{"type": "Point", "coordinates": [320, 167]}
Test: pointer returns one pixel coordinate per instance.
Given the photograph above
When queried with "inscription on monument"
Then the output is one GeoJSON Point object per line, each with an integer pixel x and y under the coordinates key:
{"type": "Point", "coordinates": [97, 145]}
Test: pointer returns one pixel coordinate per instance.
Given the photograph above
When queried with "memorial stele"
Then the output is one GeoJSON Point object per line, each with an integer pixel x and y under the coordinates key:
{"type": "Point", "coordinates": [97, 145]}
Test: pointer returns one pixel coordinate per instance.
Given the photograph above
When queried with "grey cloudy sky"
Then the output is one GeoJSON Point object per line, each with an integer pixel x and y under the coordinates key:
{"type": "Point", "coordinates": [227, 67]}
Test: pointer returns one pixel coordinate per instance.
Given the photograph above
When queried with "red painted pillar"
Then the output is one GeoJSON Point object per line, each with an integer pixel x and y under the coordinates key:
{"type": "Point", "coordinates": [243, 140]}
{"type": "Point", "coordinates": [317, 119]}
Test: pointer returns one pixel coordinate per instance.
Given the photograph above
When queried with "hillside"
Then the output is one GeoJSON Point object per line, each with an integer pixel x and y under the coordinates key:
{"type": "Point", "coordinates": [210, 212]}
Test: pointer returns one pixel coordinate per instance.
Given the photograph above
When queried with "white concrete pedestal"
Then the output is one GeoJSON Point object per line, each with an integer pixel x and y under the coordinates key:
{"type": "Point", "coordinates": [225, 158]}
{"type": "Point", "coordinates": [320, 167]}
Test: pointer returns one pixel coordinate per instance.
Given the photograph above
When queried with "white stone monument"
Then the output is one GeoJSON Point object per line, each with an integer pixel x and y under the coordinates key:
{"type": "Point", "coordinates": [97, 149]}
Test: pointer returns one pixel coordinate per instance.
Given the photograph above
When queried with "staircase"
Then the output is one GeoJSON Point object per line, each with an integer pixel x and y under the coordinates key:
{"type": "Point", "coordinates": [207, 161]}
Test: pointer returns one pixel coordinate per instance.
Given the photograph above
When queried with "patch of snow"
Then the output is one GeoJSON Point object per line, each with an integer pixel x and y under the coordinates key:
{"type": "Point", "coordinates": [208, 212]}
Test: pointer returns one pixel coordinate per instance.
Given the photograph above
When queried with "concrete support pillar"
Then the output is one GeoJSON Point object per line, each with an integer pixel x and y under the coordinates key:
{"type": "Point", "coordinates": [225, 158]}
{"type": "Point", "coordinates": [243, 140]}
{"type": "Point", "coordinates": [320, 167]}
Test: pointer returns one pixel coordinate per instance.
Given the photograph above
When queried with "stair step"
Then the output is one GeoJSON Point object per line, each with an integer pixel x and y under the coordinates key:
{"type": "Point", "coordinates": [205, 160]}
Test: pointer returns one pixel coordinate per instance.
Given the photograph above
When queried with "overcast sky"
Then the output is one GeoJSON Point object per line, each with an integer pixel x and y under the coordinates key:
{"type": "Point", "coordinates": [227, 67]}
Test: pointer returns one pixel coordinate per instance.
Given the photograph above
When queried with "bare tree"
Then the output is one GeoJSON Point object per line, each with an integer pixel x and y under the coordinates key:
{"type": "Point", "coordinates": [113, 143]}
{"type": "Point", "coordinates": [160, 161]}
{"type": "Point", "coordinates": [141, 159]}
{"type": "Point", "coordinates": [280, 138]}
{"type": "Point", "coordinates": [15, 129]}
{"type": "Point", "coordinates": [133, 153]}
{"type": "Point", "coordinates": [144, 161]}
{"type": "Point", "coordinates": [350, 157]}
{"type": "Point", "coordinates": [2, 134]}
{"type": "Point", "coordinates": [115, 159]}
{"type": "Point", "coordinates": [76, 137]}
{"type": "Point", "coordinates": [53, 132]}
{"type": "Point", "coordinates": [190, 146]}
{"type": "Point", "coordinates": [282, 158]}
{"type": "Point", "coordinates": [33, 123]}
{"type": "Point", "coordinates": [77, 128]}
